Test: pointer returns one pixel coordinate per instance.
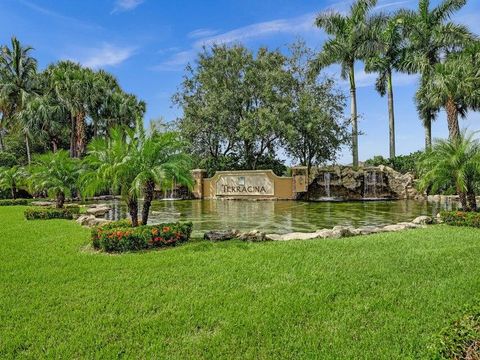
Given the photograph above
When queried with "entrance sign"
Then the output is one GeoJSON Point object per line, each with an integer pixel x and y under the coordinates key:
{"type": "Point", "coordinates": [245, 185]}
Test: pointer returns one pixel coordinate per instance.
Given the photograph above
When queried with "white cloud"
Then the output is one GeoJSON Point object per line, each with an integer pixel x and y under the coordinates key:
{"type": "Point", "coordinates": [177, 61]}
{"type": "Point", "coordinates": [201, 33]}
{"type": "Point", "coordinates": [126, 5]}
{"type": "Point", "coordinates": [106, 55]}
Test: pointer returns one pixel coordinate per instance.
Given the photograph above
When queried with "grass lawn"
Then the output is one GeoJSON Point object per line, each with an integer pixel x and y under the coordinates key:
{"type": "Point", "coordinates": [384, 296]}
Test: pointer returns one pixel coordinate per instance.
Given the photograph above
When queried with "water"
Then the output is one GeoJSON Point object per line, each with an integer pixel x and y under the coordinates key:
{"type": "Point", "coordinates": [327, 179]}
{"type": "Point", "coordinates": [281, 216]}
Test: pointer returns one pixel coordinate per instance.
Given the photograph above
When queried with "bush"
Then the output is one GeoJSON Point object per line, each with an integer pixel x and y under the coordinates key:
{"type": "Point", "coordinates": [10, 202]}
{"type": "Point", "coordinates": [116, 237]}
{"type": "Point", "coordinates": [8, 159]}
{"type": "Point", "coordinates": [402, 163]}
{"type": "Point", "coordinates": [46, 213]}
{"type": "Point", "coordinates": [461, 218]}
{"type": "Point", "coordinates": [461, 340]}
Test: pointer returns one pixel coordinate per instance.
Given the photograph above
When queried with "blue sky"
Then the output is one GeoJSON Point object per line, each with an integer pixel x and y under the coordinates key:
{"type": "Point", "coordinates": [147, 43]}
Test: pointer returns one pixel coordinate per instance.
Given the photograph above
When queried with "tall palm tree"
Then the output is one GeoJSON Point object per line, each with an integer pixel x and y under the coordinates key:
{"type": "Point", "coordinates": [18, 81]}
{"type": "Point", "coordinates": [455, 160]}
{"type": "Point", "coordinates": [388, 46]}
{"type": "Point", "coordinates": [347, 44]}
{"type": "Point", "coordinates": [12, 178]}
{"type": "Point", "coordinates": [430, 34]}
{"type": "Point", "coordinates": [56, 173]}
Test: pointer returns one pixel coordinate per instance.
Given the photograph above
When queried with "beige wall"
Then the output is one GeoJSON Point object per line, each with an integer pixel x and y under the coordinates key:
{"type": "Point", "coordinates": [283, 186]}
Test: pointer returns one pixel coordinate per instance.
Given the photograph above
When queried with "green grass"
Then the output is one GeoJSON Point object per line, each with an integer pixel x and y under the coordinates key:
{"type": "Point", "coordinates": [385, 296]}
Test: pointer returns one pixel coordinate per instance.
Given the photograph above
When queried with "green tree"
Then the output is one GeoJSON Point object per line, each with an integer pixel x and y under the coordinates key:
{"type": "Point", "coordinates": [348, 43]}
{"type": "Point", "coordinates": [388, 45]}
{"type": "Point", "coordinates": [234, 105]}
{"type": "Point", "coordinates": [17, 82]}
{"type": "Point", "coordinates": [55, 173]}
{"type": "Point", "coordinates": [429, 35]}
{"type": "Point", "coordinates": [315, 129]}
{"type": "Point", "coordinates": [455, 160]}
{"type": "Point", "coordinates": [12, 179]}
{"type": "Point", "coordinates": [131, 163]}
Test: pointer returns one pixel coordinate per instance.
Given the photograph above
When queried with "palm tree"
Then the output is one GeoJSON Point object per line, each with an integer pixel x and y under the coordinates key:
{"type": "Point", "coordinates": [17, 82]}
{"type": "Point", "coordinates": [132, 164]}
{"type": "Point", "coordinates": [455, 160]}
{"type": "Point", "coordinates": [388, 44]}
{"type": "Point", "coordinates": [162, 159]}
{"type": "Point", "coordinates": [430, 35]}
{"type": "Point", "coordinates": [56, 173]}
{"type": "Point", "coordinates": [11, 179]}
{"type": "Point", "coordinates": [347, 44]}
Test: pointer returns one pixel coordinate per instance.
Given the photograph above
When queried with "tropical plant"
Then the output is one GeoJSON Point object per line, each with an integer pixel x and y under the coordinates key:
{"type": "Point", "coordinates": [131, 163]}
{"type": "Point", "coordinates": [12, 179]}
{"type": "Point", "coordinates": [388, 44]}
{"type": "Point", "coordinates": [455, 160]}
{"type": "Point", "coordinates": [17, 82]}
{"type": "Point", "coordinates": [348, 43]}
{"type": "Point", "coordinates": [430, 35]}
{"type": "Point", "coordinates": [55, 173]}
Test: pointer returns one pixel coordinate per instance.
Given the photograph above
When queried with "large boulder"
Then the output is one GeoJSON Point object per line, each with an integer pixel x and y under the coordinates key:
{"type": "Point", "coordinates": [98, 210]}
{"type": "Point", "coordinates": [423, 220]}
{"type": "Point", "coordinates": [253, 235]}
{"type": "Point", "coordinates": [221, 235]}
{"type": "Point", "coordinates": [91, 220]}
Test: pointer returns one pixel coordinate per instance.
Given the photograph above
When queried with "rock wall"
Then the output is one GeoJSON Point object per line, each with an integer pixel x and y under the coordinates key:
{"type": "Point", "coordinates": [365, 183]}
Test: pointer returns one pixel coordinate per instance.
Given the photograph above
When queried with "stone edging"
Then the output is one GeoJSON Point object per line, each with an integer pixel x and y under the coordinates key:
{"type": "Point", "coordinates": [336, 233]}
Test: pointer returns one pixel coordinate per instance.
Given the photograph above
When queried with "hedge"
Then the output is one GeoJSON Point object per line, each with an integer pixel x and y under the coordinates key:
{"type": "Point", "coordinates": [461, 340]}
{"type": "Point", "coordinates": [11, 202]}
{"type": "Point", "coordinates": [461, 218]}
{"type": "Point", "coordinates": [46, 213]}
{"type": "Point", "coordinates": [120, 236]}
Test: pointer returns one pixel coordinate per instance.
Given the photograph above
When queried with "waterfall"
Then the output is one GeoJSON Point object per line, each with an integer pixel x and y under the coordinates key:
{"type": "Point", "coordinates": [326, 180]}
{"type": "Point", "coordinates": [370, 184]}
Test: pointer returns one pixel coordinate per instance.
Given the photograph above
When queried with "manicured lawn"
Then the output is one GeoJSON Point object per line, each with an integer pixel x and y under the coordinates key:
{"type": "Point", "coordinates": [378, 297]}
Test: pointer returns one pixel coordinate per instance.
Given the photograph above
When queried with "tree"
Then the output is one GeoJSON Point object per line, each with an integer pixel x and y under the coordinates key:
{"type": "Point", "coordinates": [388, 44]}
{"type": "Point", "coordinates": [429, 36]}
{"type": "Point", "coordinates": [17, 82]}
{"type": "Point", "coordinates": [12, 178]}
{"type": "Point", "coordinates": [455, 160]}
{"type": "Point", "coordinates": [132, 164]}
{"type": "Point", "coordinates": [451, 84]}
{"type": "Point", "coordinates": [348, 43]}
{"type": "Point", "coordinates": [315, 129]}
{"type": "Point", "coordinates": [55, 173]}
{"type": "Point", "coordinates": [234, 105]}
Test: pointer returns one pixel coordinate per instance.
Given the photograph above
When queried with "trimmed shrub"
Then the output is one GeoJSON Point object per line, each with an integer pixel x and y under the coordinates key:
{"type": "Point", "coordinates": [116, 237]}
{"type": "Point", "coordinates": [461, 218]}
{"type": "Point", "coordinates": [12, 202]}
{"type": "Point", "coordinates": [46, 213]}
{"type": "Point", "coordinates": [461, 340]}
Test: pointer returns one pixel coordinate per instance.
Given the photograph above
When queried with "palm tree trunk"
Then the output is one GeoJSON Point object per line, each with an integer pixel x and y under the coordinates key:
{"type": "Point", "coordinates": [428, 133]}
{"type": "Point", "coordinates": [463, 200]}
{"type": "Point", "coordinates": [391, 115]}
{"type": "Point", "coordinates": [353, 109]}
{"type": "Point", "coordinates": [133, 210]}
{"type": "Point", "coordinates": [14, 192]}
{"type": "Point", "coordinates": [60, 199]}
{"type": "Point", "coordinates": [147, 201]}
{"type": "Point", "coordinates": [472, 201]}
{"type": "Point", "coordinates": [452, 119]}
{"type": "Point", "coordinates": [80, 134]}
{"type": "Point", "coordinates": [2, 147]}
{"type": "Point", "coordinates": [27, 146]}
{"type": "Point", "coordinates": [73, 152]}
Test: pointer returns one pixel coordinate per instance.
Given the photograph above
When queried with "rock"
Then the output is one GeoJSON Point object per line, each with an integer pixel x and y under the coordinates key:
{"type": "Point", "coordinates": [342, 231]}
{"type": "Point", "coordinates": [42, 203]}
{"type": "Point", "coordinates": [400, 227]}
{"type": "Point", "coordinates": [423, 220]}
{"type": "Point", "coordinates": [221, 235]}
{"type": "Point", "coordinates": [98, 211]}
{"type": "Point", "coordinates": [253, 235]}
{"type": "Point", "coordinates": [367, 230]}
{"type": "Point", "coordinates": [91, 220]}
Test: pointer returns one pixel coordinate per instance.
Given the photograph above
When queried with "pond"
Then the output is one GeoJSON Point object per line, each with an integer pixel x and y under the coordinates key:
{"type": "Point", "coordinates": [281, 216]}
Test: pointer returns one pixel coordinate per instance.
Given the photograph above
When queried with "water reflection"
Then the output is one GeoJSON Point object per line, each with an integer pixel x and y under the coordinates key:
{"type": "Point", "coordinates": [281, 216]}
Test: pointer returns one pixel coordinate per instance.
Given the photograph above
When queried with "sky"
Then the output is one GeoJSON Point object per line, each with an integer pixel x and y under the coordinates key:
{"type": "Point", "coordinates": [146, 44]}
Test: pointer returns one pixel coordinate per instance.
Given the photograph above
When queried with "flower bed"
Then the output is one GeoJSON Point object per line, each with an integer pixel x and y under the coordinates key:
{"type": "Point", "coordinates": [120, 237]}
{"type": "Point", "coordinates": [11, 202]}
{"type": "Point", "coordinates": [461, 218]}
{"type": "Point", "coordinates": [46, 213]}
